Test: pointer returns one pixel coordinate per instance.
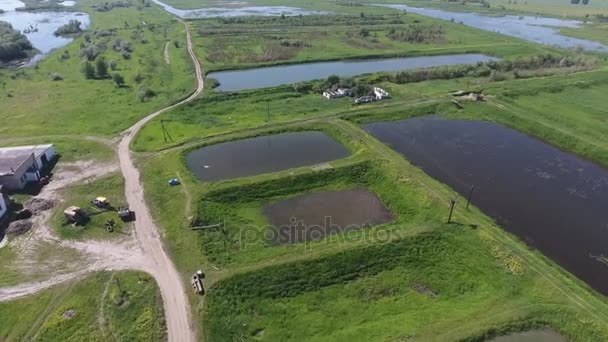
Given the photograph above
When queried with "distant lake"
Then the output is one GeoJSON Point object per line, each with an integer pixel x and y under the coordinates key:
{"type": "Point", "coordinates": [535, 29]}
{"type": "Point", "coordinates": [235, 9]}
{"type": "Point", "coordinates": [45, 22]}
{"type": "Point", "coordinates": [272, 76]}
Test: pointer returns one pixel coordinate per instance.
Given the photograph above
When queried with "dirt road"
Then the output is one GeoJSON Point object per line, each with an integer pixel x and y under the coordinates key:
{"type": "Point", "coordinates": [177, 312]}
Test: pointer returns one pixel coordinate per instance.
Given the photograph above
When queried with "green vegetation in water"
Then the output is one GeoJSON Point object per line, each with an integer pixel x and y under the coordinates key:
{"type": "Point", "coordinates": [121, 306]}
{"type": "Point", "coordinates": [71, 28]}
{"type": "Point", "coordinates": [13, 44]}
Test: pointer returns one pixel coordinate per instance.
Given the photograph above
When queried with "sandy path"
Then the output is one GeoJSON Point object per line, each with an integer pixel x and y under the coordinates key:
{"type": "Point", "coordinates": [166, 53]}
{"type": "Point", "coordinates": [177, 309]}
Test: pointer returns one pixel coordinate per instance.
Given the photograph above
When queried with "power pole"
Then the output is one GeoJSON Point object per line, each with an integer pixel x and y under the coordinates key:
{"type": "Point", "coordinates": [470, 195]}
{"type": "Point", "coordinates": [165, 131]}
{"type": "Point", "coordinates": [118, 284]}
{"type": "Point", "coordinates": [452, 204]}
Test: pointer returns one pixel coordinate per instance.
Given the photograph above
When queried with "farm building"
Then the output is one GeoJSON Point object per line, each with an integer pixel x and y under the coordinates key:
{"type": "Point", "coordinates": [23, 164]}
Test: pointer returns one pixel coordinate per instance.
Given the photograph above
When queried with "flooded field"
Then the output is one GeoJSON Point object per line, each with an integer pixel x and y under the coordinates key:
{"type": "Point", "coordinates": [545, 335]}
{"type": "Point", "coordinates": [39, 27]}
{"type": "Point", "coordinates": [552, 200]}
{"type": "Point", "coordinates": [286, 74]}
{"type": "Point", "coordinates": [314, 216]}
{"type": "Point", "coordinates": [254, 156]}
{"type": "Point", "coordinates": [234, 9]}
{"type": "Point", "coordinates": [535, 29]}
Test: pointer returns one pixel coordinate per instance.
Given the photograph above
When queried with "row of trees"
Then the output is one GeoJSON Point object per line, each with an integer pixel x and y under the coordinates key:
{"type": "Point", "coordinates": [489, 69]}
{"type": "Point", "coordinates": [13, 44]}
{"type": "Point", "coordinates": [416, 33]}
{"type": "Point", "coordinates": [576, 2]}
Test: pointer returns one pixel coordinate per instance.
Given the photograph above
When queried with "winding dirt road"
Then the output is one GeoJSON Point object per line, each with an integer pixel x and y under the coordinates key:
{"type": "Point", "coordinates": [177, 312]}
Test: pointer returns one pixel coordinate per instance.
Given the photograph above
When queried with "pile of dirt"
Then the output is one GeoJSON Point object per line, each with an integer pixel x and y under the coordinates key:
{"type": "Point", "coordinates": [424, 290]}
{"type": "Point", "coordinates": [68, 314]}
{"type": "Point", "coordinates": [18, 227]}
{"type": "Point", "coordinates": [37, 205]}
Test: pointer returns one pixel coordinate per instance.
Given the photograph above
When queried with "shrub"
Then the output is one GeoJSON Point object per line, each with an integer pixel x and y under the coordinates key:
{"type": "Point", "coordinates": [145, 94]}
{"type": "Point", "coordinates": [55, 77]}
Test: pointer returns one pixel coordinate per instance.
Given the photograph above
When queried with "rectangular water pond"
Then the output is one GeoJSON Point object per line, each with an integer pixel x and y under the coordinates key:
{"type": "Point", "coordinates": [314, 216]}
{"type": "Point", "coordinates": [287, 74]}
{"type": "Point", "coordinates": [255, 156]}
{"type": "Point", "coordinates": [552, 200]}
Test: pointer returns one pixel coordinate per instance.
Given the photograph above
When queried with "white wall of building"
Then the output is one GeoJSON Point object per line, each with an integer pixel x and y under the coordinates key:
{"type": "Point", "coordinates": [3, 206]}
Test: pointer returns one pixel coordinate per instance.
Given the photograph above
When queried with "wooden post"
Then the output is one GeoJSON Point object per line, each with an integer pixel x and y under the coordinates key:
{"type": "Point", "coordinates": [118, 284]}
{"type": "Point", "coordinates": [452, 203]}
{"type": "Point", "coordinates": [470, 195]}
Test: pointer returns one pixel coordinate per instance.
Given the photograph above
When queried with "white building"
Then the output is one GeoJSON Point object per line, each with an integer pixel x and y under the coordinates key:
{"type": "Point", "coordinates": [23, 164]}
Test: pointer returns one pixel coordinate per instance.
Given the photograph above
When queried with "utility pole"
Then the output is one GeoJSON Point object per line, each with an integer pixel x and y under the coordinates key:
{"type": "Point", "coordinates": [118, 284]}
{"type": "Point", "coordinates": [470, 195]}
{"type": "Point", "coordinates": [452, 204]}
{"type": "Point", "coordinates": [165, 131]}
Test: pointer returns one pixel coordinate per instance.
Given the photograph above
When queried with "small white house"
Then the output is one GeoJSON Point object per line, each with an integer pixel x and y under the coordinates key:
{"type": "Point", "coordinates": [381, 94]}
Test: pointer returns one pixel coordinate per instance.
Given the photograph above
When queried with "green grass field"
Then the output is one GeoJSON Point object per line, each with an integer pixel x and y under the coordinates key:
{"type": "Point", "coordinates": [565, 110]}
{"type": "Point", "coordinates": [92, 309]}
{"type": "Point", "coordinates": [32, 104]}
{"type": "Point", "coordinates": [111, 187]}
{"type": "Point", "coordinates": [227, 45]}
{"type": "Point", "coordinates": [451, 284]}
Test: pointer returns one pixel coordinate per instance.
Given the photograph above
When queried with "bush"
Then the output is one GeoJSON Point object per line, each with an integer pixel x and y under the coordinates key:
{"type": "Point", "coordinates": [88, 70]}
{"type": "Point", "coordinates": [13, 44]}
{"type": "Point", "coordinates": [118, 79]}
{"type": "Point", "coordinates": [55, 77]}
{"type": "Point", "coordinates": [145, 94]}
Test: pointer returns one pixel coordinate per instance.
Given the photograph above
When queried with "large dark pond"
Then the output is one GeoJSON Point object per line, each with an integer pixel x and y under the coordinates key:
{"type": "Point", "coordinates": [254, 156]}
{"type": "Point", "coordinates": [535, 29]}
{"type": "Point", "coordinates": [552, 200]}
{"type": "Point", "coordinates": [317, 215]}
{"type": "Point", "coordinates": [41, 26]}
{"type": "Point", "coordinates": [287, 74]}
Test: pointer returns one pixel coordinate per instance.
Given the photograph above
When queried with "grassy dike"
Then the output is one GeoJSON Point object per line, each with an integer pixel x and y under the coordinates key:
{"type": "Point", "coordinates": [92, 309]}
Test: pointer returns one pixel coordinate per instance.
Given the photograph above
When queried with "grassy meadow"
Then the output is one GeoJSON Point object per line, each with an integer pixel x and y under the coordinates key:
{"type": "Point", "coordinates": [104, 306]}
{"type": "Point", "coordinates": [226, 44]}
{"type": "Point", "coordinates": [81, 195]}
{"type": "Point", "coordinates": [33, 104]}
